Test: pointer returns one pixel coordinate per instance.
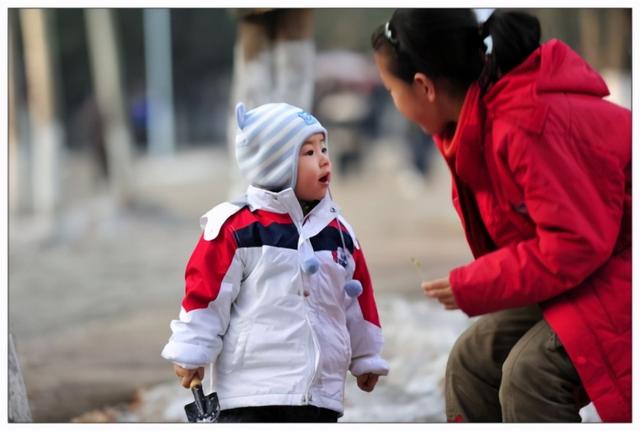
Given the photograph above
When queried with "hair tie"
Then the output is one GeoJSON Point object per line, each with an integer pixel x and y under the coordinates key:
{"type": "Point", "coordinates": [488, 42]}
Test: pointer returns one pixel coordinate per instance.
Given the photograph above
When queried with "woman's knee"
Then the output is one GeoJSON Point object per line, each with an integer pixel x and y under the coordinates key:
{"type": "Point", "coordinates": [518, 375]}
{"type": "Point", "coordinates": [530, 384]}
{"type": "Point", "coordinates": [527, 372]}
{"type": "Point", "coordinates": [470, 350]}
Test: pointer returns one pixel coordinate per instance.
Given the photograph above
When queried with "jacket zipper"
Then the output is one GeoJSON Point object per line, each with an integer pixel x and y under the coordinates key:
{"type": "Point", "coordinates": [306, 397]}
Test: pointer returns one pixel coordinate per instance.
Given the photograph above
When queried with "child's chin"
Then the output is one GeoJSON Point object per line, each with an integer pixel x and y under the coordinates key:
{"type": "Point", "coordinates": [320, 195]}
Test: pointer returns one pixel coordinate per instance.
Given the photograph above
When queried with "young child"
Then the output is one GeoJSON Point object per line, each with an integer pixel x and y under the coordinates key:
{"type": "Point", "coordinates": [278, 293]}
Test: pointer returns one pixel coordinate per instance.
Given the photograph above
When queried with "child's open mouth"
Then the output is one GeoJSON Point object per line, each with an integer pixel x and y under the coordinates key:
{"type": "Point", "coordinates": [325, 179]}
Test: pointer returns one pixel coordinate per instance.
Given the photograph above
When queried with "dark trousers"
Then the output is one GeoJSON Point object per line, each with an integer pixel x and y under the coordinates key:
{"type": "Point", "coordinates": [510, 366]}
{"type": "Point", "coordinates": [278, 414]}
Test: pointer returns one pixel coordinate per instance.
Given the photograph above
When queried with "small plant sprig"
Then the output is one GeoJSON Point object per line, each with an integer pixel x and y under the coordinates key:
{"type": "Point", "coordinates": [418, 266]}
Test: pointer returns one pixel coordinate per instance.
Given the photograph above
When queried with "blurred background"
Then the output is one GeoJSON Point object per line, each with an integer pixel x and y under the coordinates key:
{"type": "Point", "coordinates": [118, 136]}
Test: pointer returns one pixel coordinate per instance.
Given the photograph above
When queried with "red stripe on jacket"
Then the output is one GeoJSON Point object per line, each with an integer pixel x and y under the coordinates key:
{"type": "Point", "coordinates": [210, 260]}
{"type": "Point", "coordinates": [334, 223]}
{"type": "Point", "coordinates": [206, 268]}
{"type": "Point", "coordinates": [366, 299]}
{"type": "Point", "coordinates": [361, 273]}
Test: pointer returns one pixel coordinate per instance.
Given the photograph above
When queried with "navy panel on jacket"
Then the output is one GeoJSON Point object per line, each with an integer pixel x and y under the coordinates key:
{"type": "Point", "coordinates": [286, 236]}
{"type": "Point", "coordinates": [329, 239]}
{"type": "Point", "coordinates": [275, 234]}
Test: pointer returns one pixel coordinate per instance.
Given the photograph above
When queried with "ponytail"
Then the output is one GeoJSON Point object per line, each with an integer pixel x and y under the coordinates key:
{"type": "Point", "coordinates": [509, 38]}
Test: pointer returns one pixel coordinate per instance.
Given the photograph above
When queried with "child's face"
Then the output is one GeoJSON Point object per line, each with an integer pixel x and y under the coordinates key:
{"type": "Point", "coordinates": [314, 169]}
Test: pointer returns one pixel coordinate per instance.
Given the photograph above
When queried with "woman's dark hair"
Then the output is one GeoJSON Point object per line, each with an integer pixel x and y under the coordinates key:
{"type": "Point", "coordinates": [448, 45]}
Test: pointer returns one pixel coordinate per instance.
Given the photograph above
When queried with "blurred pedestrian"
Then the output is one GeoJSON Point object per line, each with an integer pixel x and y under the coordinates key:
{"type": "Point", "coordinates": [278, 293]}
{"type": "Point", "coordinates": [420, 147]}
{"type": "Point", "coordinates": [541, 174]}
{"type": "Point", "coordinates": [273, 61]}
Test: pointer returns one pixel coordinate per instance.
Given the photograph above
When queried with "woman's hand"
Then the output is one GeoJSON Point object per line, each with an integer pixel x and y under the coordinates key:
{"type": "Point", "coordinates": [186, 375]}
{"type": "Point", "coordinates": [367, 381]}
{"type": "Point", "coordinates": [440, 289]}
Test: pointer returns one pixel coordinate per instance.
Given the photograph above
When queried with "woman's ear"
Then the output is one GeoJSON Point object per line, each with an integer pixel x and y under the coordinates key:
{"type": "Point", "coordinates": [425, 86]}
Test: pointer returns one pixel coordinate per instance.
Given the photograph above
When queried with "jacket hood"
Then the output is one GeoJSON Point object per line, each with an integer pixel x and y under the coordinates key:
{"type": "Point", "coordinates": [552, 68]}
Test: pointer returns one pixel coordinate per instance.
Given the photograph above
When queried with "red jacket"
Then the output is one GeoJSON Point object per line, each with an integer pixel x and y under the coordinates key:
{"type": "Point", "coordinates": [541, 168]}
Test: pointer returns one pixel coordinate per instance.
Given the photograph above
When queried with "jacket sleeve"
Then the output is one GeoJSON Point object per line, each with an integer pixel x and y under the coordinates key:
{"type": "Point", "coordinates": [575, 199]}
{"type": "Point", "coordinates": [364, 325]}
{"type": "Point", "coordinates": [212, 276]}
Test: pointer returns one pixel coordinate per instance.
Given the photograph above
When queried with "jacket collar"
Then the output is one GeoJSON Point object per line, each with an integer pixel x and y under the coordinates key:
{"type": "Point", "coordinates": [286, 202]}
{"type": "Point", "coordinates": [283, 202]}
{"type": "Point", "coordinates": [464, 151]}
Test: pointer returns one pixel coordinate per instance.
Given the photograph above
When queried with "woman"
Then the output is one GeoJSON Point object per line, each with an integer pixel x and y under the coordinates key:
{"type": "Point", "coordinates": [541, 169]}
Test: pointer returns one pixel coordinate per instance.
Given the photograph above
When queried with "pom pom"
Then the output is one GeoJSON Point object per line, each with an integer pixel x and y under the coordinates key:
{"type": "Point", "coordinates": [353, 288]}
{"type": "Point", "coordinates": [311, 265]}
{"type": "Point", "coordinates": [240, 114]}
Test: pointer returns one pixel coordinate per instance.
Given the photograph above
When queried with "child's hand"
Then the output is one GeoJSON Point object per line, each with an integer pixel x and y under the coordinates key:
{"type": "Point", "coordinates": [367, 381]}
{"type": "Point", "coordinates": [187, 375]}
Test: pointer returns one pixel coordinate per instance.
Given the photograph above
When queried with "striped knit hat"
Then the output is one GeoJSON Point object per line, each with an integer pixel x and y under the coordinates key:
{"type": "Point", "coordinates": [268, 141]}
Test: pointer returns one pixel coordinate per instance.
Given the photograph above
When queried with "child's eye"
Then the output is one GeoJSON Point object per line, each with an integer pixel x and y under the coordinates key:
{"type": "Point", "coordinates": [309, 153]}
{"type": "Point", "coordinates": [324, 150]}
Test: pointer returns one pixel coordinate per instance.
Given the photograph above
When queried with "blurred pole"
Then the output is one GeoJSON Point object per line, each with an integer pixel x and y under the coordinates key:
{"type": "Point", "coordinates": [615, 53]}
{"type": "Point", "coordinates": [157, 44]}
{"type": "Point", "coordinates": [618, 37]}
{"type": "Point", "coordinates": [19, 410]}
{"type": "Point", "coordinates": [105, 65]}
{"type": "Point", "coordinates": [590, 37]}
{"type": "Point", "coordinates": [294, 58]}
{"type": "Point", "coordinates": [15, 168]}
{"type": "Point", "coordinates": [251, 59]}
{"type": "Point", "coordinates": [41, 100]}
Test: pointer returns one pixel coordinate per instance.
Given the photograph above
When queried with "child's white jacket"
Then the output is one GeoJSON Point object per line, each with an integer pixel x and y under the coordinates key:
{"type": "Point", "coordinates": [278, 335]}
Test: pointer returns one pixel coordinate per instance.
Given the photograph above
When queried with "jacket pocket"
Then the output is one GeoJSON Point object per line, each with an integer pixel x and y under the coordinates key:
{"type": "Point", "coordinates": [234, 346]}
{"type": "Point", "coordinates": [336, 351]}
{"type": "Point", "coordinates": [335, 361]}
